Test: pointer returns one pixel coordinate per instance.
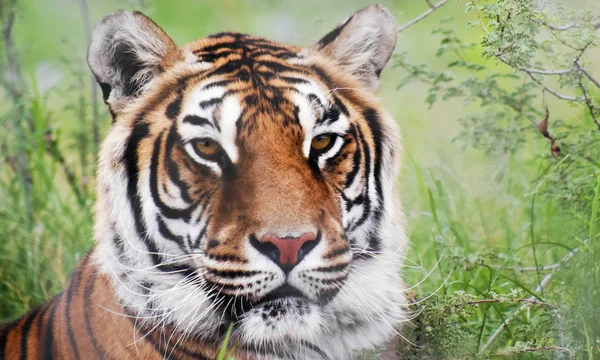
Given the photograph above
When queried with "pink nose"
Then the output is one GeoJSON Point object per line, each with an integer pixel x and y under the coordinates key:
{"type": "Point", "coordinates": [291, 249]}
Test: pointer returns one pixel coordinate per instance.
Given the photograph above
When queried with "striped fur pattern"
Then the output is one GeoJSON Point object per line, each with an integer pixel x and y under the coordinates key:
{"type": "Point", "coordinates": [179, 255]}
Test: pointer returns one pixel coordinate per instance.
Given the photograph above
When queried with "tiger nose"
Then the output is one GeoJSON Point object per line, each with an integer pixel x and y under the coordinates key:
{"type": "Point", "coordinates": [287, 251]}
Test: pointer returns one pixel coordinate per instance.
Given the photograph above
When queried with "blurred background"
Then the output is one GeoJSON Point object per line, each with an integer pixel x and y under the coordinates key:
{"type": "Point", "coordinates": [504, 257]}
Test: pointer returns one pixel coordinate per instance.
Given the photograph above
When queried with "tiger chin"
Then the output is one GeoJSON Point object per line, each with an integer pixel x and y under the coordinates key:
{"type": "Point", "coordinates": [246, 186]}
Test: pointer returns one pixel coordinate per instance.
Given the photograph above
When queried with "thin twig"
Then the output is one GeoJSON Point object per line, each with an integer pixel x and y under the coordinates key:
{"type": "Point", "coordinates": [565, 27]}
{"type": "Point", "coordinates": [545, 348]}
{"type": "Point", "coordinates": [553, 92]}
{"type": "Point", "coordinates": [432, 8]}
{"type": "Point", "coordinates": [586, 73]}
{"type": "Point", "coordinates": [589, 103]}
{"type": "Point", "coordinates": [492, 301]}
{"type": "Point", "coordinates": [526, 268]}
{"type": "Point", "coordinates": [540, 287]}
{"type": "Point", "coordinates": [480, 17]}
{"type": "Point", "coordinates": [537, 71]}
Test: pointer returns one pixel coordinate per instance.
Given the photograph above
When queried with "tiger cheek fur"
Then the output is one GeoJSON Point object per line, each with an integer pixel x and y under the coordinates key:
{"type": "Point", "coordinates": [248, 182]}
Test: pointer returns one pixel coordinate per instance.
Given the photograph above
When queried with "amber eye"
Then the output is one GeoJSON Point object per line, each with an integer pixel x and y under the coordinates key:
{"type": "Point", "coordinates": [321, 142]}
{"type": "Point", "coordinates": [206, 147]}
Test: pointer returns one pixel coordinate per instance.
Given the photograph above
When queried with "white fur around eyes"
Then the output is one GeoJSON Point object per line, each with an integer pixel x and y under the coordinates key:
{"type": "Point", "coordinates": [189, 147]}
{"type": "Point", "coordinates": [337, 145]}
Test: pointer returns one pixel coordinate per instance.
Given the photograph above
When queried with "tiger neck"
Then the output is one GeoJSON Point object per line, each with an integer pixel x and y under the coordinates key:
{"type": "Point", "coordinates": [89, 317]}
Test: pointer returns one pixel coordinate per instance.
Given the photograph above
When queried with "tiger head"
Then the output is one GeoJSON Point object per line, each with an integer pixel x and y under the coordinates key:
{"type": "Point", "coordinates": [250, 182]}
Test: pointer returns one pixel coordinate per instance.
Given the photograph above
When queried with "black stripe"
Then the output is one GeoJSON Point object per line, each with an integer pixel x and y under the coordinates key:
{"type": "Point", "coordinates": [294, 80]}
{"type": "Point", "coordinates": [374, 241]}
{"type": "Point", "coordinates": [321, 73]}
{"type": "Point", "coordinates": [315, 100]}
{"type": "Point", "coordinates": [224, 34]}
{"type": "Point", "coordinates": [265, 44]}
{"type": "Point", "coordinates": [345, 199]}
{"type": "Point", "coordinates": [87, 311]}
{"type": "Point", "coordinates": [25, 330]}
{"type": "Point", "coordinates": [333, 268]}
{"type": "Point", "coordinates": [118, 241]}
{"type": "Point", "coordinates": [229, 68]}
{"type": "Point", "coordinates": [179, 85]}
{"type": "Point", "coordinates": [232, 45]}
{"type": "Point", "coordinates": [166, 211]}
{"type": "Point", "coordinates": [203, 200]}
{"type": "Point", "coordinates": [337, 252]}
{"type": "Point", "coordinates": [196, 120]}
{"type": "Point", "coordinates": [231, 274]}
{"type": "Point", "coordinates": [140, 131]}
{"type": "Point", "coordinates": [332, 162]}
{"type": "Point", "coordinates": [173, 168]}
{"type": "Point", "coordinates": [211, 102]}
{"type": "Point", "coordinates": [279, 54]}
{"type": "Point", "coordinates": [73, 285]}
{"type": "Point", "coordinates": [316, 349]}
{"type": "Point", "coordinates": [367, 175]}
{"type": "Point", "coordinates": [48, 346]}
{"type": "Point", "coordinates": [229, 257]}
{"type": "Point", "coordinates": [275, 66]}
{"type": "Point", "coordinates": [330, 116]}
{"type": "Point", "coordinates": [47, 305]}
{"type": "Point", "coordinates": [173, 109]}
{"type": "Point", "coordinates": [225, 287]}
{"type": "Point", "coordinates": [356, 159]}
{"type": "Point", "coordinates": [217, 83]}
{"type": "Point", "coordinates": [338, 280]}
{"type": "Point", "coordinates": [198, 240]}
{"type": "Point", "coordinates": [167, 234]}
{"type": "Point", "coordinates": [332, 35]}
{"type": "Point", "coordinates": [340, 105]}
{"type": "Point", "coordinates": [378, 139]}
{"type": "Point", "coordinates": [212, 57]}
{"type": "Point", "coordinates": [4, 331]}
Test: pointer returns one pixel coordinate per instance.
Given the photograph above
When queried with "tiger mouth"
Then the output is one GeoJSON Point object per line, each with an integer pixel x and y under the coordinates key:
{"type": "Point", "coordinates": [281, 293]}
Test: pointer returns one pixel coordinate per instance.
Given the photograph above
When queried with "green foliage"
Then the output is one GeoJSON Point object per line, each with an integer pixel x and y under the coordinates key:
{"type": "Point", "coordinates": [225, 352]}
{"type": "Point", "coordinates": [511, 114]}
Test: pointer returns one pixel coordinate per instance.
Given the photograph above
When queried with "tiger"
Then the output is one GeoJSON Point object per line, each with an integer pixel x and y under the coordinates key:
{"type": "Point", "coordinates": [246, 201]}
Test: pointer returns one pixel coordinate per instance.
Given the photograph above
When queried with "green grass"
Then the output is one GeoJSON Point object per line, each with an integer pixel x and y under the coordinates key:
{"type": "Point", "coordinates": [483, 229]}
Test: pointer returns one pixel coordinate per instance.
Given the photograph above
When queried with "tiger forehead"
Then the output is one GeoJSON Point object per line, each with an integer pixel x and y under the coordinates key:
{"type": "Point", "coordinates": [217, 46]}
{"type": "Point", "coordinates": [265, 78]}
{"type": "Point", "coordinates": [260, 63]}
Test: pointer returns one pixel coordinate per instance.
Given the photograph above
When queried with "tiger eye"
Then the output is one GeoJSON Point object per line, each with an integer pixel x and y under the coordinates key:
{"type": "Point", "coordinates": [207, 147]}
{"type": "Point", "coordinates": [321, 142]}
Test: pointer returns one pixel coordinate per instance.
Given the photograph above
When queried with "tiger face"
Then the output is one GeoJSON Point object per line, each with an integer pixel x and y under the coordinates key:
{"type": "Point", "coordinates": [249, 182]}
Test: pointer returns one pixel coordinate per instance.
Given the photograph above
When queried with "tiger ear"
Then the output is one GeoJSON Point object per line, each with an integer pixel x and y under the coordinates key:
{"type": "Point", "coordinates": [127, 51]}
{"type": "Point", "coordinates": [363, 44]}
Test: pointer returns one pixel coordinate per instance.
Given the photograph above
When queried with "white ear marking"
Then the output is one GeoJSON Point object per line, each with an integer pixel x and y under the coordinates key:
{"type": "Point", "coordinates": [127, 51]}
{"type": "Point", "coordinates": [363, 44]}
